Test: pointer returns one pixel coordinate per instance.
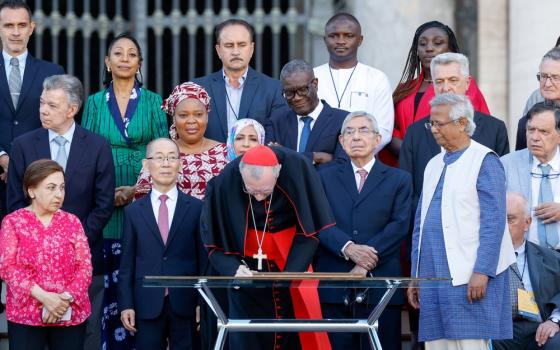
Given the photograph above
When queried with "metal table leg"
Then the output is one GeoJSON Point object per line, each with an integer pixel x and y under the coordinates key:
{"type": "Point", "coordinates": [376, 313]}
{"type": "Point", "coordinates": [210, 299]}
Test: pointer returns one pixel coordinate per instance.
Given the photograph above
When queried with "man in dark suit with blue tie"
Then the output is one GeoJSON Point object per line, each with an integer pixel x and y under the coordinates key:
{"type": "Point", "coordinates": [371, 205]}
{"type": "Point", "coordinates": [160, 237]}
{"type": "Point", "coordinates": [311, 127]}
{"type": "Point", "coordinates": [89, 174]}
{"type": "Point", "coordinates": [21, 79]}
{"type": "Point", "coordinates": [237, 90]}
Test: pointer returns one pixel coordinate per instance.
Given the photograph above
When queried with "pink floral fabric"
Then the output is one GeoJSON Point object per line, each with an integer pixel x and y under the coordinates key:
{"type": "Point", "coordinates": [56, 258]}
{"type": "Point", "coordinates": [196, 171]}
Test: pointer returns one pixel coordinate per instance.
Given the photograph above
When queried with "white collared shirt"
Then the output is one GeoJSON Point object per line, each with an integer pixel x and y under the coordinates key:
{"type": "Point", "coordinates": [366, 167]}
{"type": "Point", "coordinates": [233, 98]}
{"type": "Point", "coordinates": [535, 190]}
{"type": "Point", "coordinates": [68, 135]}
{"type": "Point", "coordinates": [525, 273]}
{"type": "Point", "coordinates": [171, 203]}
{"type": "Point", "coordinates": [314, 115]}
{"type": "Point", "coordinates": [21, 58]}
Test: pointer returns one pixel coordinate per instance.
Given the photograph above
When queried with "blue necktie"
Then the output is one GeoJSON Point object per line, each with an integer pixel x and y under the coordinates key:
{"type": "Point", "coordinates": [305, 132]}
{"type": "Point", "coordinates": [548, 234]}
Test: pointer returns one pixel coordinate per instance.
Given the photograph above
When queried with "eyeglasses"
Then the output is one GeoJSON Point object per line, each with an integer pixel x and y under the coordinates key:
{"type": "Point", "coordinates": [161, 159]}
{"type": "Point", "coordinates": [263, 193]}
{"type": "Point", "coordinates": [363, 131]}
{"type": "Point", "coordinates": [435, 124]}
{"type": "Point", "coordinates": [548, 176]}
{"type": "Point", "coordinates": [542, 78]}
{"type": "Point", "coordinates": [301, 92]}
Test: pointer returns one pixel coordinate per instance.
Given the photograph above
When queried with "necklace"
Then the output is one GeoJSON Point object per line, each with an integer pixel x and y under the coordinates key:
{"type": "Point", "coordinates": [346, 86]}
{"type": "Point", "coordinates": [260, 256]}
{"type": "Point", "coordinates": [200, 148]}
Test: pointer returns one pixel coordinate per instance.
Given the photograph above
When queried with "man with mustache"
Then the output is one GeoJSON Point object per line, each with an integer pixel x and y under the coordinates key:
{"type": "Point", "coordinates": [237, 90]}
{"type": "Point", "coordinates": [350, 85]}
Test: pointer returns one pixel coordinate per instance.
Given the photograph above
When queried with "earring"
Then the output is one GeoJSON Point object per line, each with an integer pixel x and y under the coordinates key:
{"type": "Point", "coordinates": [108, 69]}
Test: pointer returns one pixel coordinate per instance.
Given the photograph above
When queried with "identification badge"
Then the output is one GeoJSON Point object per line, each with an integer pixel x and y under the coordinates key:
{"type": "Point", "coordinates": [527, 305]}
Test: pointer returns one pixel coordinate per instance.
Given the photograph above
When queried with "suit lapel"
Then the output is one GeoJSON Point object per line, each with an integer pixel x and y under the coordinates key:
{"type": "Point", "coordinates": [374, 177]}
{"type": "Point", "coordinates": [42, 147]}
{"type": "Point", "coordinates": [291, 132]}
{"type": "Point", "coordinates": [535, 262]}
{"type": "Point", "coordinates": [218, 88]}
{"type": "Point", "coordinates": [522, 170]}
{"type": "Point", "coordinates": [78, 149]}
{"type": "Point", "coordinates": [181, 209]}
{"type": "Point", "coordinates": [4, 87]}
{"type": "Point", "coordinates": [320, 124]}
{"type": "Point", "coordinates": [147, 210]}
{"type": "Point", "coordinates": [28, 77]}
{"type": "Point", "coordinates": [249, 89]}
{"type": "Point", "coordinates": [347, 178]}
{"type": "Point", "coordinates": [479, 126]}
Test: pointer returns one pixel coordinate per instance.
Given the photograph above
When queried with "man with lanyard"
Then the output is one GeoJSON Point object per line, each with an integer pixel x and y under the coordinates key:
{"type": "Point", "coordinates": [238, 91]}
{"type": "Point", "coordinates": [350, 85]}
{"type": "Point", "coordinates": [262, 214]}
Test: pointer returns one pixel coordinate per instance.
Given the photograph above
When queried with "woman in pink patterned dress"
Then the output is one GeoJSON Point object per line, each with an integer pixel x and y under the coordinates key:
{"type": "Point", "coordinates": [46, 263]}
{"type": "Point", "coordinates": [201, 158]}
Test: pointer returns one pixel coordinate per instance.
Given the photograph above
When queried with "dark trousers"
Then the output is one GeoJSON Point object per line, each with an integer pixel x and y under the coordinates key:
{"type": "Point", "coordinates": [166, 329]}
{"type": "Point", "coordinates": [524, 338]}
{"type": "Point", "coordinates": [40, 338]}
{"type": "Point", "coordinates": [389, 330]}
{"type": "Point", "coordinates": [93, 325]}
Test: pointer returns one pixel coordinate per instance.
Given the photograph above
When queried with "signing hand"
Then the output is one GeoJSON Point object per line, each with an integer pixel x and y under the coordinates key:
{"type": "Point", "coordinates": [548, 212]}
{"type": "Point", "coordinates": [362, 255]}
{"type": "Point", "coordinates": [477, 287]}
{"type": "Point", "coordinates": [128, 319]}
{"type": "Point", "coordinates": [243, 271]}
{"type": "Point", "coordinates": [545, 331]}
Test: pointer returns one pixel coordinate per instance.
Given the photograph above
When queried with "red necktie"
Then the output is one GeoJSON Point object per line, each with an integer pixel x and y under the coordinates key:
{"type": "Point", "coordinates": [363, 175]}
{"type": "Point", "coordinates": [163, 218]}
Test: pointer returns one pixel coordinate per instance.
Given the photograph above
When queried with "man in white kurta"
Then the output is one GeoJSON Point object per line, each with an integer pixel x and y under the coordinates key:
{"type": "Point", "coordinates": [350, 85]}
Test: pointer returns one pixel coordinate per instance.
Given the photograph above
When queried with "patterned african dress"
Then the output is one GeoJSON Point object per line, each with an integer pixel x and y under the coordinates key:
{"type": "Point", "coordinates": [143, 121]}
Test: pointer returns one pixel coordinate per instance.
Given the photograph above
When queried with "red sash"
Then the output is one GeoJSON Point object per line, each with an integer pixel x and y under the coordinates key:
{"type": "Point", "coordinates": [305, 297]}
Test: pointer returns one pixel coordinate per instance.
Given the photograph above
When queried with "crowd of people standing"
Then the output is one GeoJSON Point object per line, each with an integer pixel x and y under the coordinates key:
{"type": "Point", "coordinates": [337, 172]}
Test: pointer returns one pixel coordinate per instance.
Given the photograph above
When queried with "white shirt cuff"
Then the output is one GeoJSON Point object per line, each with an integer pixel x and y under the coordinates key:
{"type": "Point", "coordinates": [555, 313]}
{"type": "Point", "coordinates": [343, 248]}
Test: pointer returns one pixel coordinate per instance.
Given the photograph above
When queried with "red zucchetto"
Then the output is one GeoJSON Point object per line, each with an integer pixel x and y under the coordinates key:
{"type": "Point", "coordinates": [260, 155]}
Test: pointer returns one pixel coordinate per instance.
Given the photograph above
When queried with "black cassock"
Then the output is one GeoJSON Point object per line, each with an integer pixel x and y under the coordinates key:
{"type": "Point", "coordinates": [299, 210]}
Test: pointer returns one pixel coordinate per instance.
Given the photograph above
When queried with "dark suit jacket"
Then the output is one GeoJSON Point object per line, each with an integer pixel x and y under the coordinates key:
{"type": "Point", "coordinates": [261, 99]}
{"type": "Point", "coordinates": [544, 270]}
{"type": "Point", "coordinates": [90, 181]}
{"type": "Point", "coordinates": [378, 216]}
{"type": "Point", "coordinates": [521, 139]}
{"type": "Point", "coordinates": [144, 254]}
{"type": "Point", "coordinates": [323, 137]}
{"type": "Point", "coordinates": [419, 146]}
{"type": "Point", "coordinates": [15, 122]}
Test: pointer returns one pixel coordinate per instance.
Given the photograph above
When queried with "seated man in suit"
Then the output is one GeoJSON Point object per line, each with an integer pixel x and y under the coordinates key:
{"type": "Point", "coordinates": [311, 127]}
{"type": "Point", "coordinates": [450, 72]}
{"type": "Point", "coordinates": [549, 87]}
{"type": "Point", "coordinates": [88, 166]}
{"type": "Point", "coordinates": [371, 205]}
{"type": "Point", "coordinates": [237, 90]}
{"type": "Point", "coordinates": [536, 271]}
{"type": "Point", "coordinates": [533, 172]}
{"type": "Point", "coordinates": [160, 237]}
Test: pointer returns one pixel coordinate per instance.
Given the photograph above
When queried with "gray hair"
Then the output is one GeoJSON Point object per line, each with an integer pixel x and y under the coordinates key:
{"type": "Point", "coordinates": [552, 54]}
{"type": "Point", "coordinates": [451, 57]}
{"type": "Point", "coordinates": [295, 66]}
{"type": "Point", "coordinates": [460, 105]}
{"type": "Point", "coordinates": [523, 200]}
{"type": "Point", "coordinates": [151, 145]}
{"type": "Point", "coordinates": [256, 171]}
{"type": "Point", "coordinates": [71, 86]}
{"type": "Point", "coordinates": [357, 114]}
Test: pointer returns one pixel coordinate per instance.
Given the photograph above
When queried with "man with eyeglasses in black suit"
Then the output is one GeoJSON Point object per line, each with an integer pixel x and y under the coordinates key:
{"type": "Point", "coordinates": [534, 172]}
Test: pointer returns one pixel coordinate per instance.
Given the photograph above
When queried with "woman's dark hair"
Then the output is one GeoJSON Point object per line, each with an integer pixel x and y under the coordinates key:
{"type": "Point", "coordinates": [37, 172]}
{"type": "Point", "coordinates": [413, 67]}
{"type": "Point", "coordinates": [107, 77]}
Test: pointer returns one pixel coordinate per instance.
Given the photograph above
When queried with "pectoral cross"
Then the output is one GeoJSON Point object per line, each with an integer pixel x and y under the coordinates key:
{"type": "Point", "coordinates": [259, 256]}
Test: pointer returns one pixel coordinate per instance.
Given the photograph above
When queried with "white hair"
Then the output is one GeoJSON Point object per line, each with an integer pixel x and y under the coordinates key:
{"type": "Point", "coordinates": [524, 203]}
{"type": "Point", "coordinates": [460, 105]}
{"type": "Point", "coordinates": [256, 171]}
{"type": "Point", "coordinates": [357, 114]}
{"type": "Point", "coordinates": [451, 57]}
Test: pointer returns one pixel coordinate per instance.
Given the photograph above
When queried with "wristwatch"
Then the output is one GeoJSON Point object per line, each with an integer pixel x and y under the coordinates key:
{"type": "Point", "coordinates": [555, 320]}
